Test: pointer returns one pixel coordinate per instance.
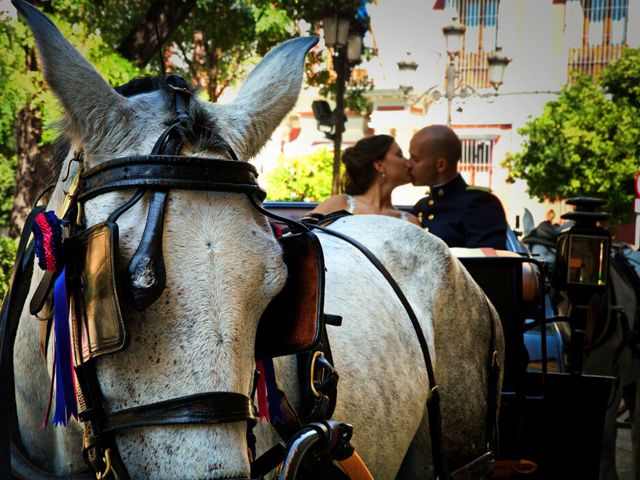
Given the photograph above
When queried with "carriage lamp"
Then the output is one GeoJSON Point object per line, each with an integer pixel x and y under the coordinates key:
{"type": "Point", "coordinates": [582, 270]}
{"type": "Point", "coordinates": [583, 249]}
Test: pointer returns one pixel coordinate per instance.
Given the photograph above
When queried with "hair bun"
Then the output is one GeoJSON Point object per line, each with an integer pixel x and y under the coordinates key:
{"type": "Point", "coordinates": [347, 155]}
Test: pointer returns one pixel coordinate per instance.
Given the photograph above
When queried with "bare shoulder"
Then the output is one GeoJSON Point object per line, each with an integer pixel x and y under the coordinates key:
{"type": "Point", "coordinates": [412, 219]}
{"type": "Point", "coordinates": [331, 204]}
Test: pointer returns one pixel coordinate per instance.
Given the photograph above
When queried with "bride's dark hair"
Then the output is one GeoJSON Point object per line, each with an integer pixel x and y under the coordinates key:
{"type": "Point", "coordinates": [359, 159]}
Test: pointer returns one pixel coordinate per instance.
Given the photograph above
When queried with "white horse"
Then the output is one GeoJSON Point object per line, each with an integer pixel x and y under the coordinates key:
{"type": "Point", "coordinates": [609, 356]}
{"type": "Point", "coordinates": [223, 266]}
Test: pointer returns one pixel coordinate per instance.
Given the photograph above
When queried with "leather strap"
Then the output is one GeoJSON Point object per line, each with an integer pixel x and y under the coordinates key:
{"type": "Point", "coordinates": [12, 306]}
{"type": "Point", "coordinates": [201, 408]}
{"type": "Point", "coordinates": [168, 171]}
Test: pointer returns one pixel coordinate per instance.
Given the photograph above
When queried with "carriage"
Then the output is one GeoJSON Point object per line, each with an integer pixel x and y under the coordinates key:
{"type": "Point", "coordinates": [160, 352]}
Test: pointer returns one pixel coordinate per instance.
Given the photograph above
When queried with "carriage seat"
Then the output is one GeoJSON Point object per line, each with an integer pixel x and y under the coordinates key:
{"type": "Point", "coordinates": [530, 280]}
{"type": "Point", "coordinates": [512, 285]}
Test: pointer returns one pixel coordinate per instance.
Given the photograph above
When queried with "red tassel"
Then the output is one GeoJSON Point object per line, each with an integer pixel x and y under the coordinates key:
{"type": "Point", "coordinates": [263, 404]}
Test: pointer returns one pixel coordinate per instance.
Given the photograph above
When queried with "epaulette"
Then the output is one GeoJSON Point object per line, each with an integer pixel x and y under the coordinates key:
{"type": "Point", "coordinates": [478, 188]}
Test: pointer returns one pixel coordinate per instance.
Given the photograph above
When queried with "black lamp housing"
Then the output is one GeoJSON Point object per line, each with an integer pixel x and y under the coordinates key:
{"type": "Point", "coordinates": [582, 261]}
{"type": "Point", "coordinates": [325, 117]}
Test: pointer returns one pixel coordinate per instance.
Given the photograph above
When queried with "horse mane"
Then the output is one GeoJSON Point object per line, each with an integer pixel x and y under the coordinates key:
{"type": "Point", "coordinates": [544, 234]}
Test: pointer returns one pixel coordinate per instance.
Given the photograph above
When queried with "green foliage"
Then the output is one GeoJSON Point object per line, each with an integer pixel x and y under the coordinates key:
{"type": "Point", "coordinates": [312, 10]}
{"type": "Point", "coordinates": [620, 79]}
{"type": "Point", "coordinates": [586, 141]}
{"type": "Point", "coordinates": [302, 178]}
{"type": "Point", "coordinates": [8, 248]}
{"type": "Point", "coordinates": [18, 85]}
{"type": "Point", "coordinates": [7, 183]}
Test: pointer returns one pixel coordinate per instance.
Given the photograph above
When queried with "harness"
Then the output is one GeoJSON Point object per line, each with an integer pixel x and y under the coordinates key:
{"type": "Point", "coordinates": [156, 174]}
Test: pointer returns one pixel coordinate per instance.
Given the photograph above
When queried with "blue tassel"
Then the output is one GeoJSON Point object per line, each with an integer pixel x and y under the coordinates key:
{"type": "Point", "coordinates": [272, 390]}
{"type": "Point", "coordinates": [66, 406]}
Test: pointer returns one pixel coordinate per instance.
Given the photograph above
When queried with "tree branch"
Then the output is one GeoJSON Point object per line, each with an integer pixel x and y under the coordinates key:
{"type": "Point", "coordinates": [158, 25]}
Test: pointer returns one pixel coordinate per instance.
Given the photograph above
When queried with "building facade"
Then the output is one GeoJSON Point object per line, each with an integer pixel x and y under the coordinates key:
{"type": "Point", "coordinates": [546, 40]}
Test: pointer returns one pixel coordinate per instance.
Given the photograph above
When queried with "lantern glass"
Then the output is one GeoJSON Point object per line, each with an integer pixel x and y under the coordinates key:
{"type": "Point", "coordinates": [497, 65]}
{"type": "Point", "coordinates": [453, 34]}
{"type": "Point", "coordinates": [336, 31]}
{"type": "Point", "coordinates": [354, 48]}
{"type": "Point", "coordinates": [588, 260]}
{"type": "Point", "coordinates": [407, 73]}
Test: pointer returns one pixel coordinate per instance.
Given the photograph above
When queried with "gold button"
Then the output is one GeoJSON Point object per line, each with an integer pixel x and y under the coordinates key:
{"type": "Point", "coordinates": [420, 217]}
{"type": "Point", "coordinates": [430, 217]}
{"type": "Point", "coordinates": [426, 229]}
{"type": "Point", "coordinates": [431, 202]}
{"type": "Point", "coordinates": [441, 192]}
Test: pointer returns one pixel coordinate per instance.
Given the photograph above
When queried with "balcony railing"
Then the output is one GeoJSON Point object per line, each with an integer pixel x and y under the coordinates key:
{"type": "Point", "coordinates": [591, 60]}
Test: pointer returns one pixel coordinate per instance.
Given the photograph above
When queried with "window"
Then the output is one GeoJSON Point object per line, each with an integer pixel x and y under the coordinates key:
{"type": "Point", "coordinates": [604, 34]}
{"type": "Point", "coordinates": [481, 20]}
{"type": "Point", "coordinates": [476, 160]}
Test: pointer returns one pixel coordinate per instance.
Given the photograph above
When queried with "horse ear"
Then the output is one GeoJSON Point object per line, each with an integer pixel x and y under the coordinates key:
{"type": "Point", "coordinates": [268, 94]}
{"type": "Point", "coordinates": [527, 222]}
{"type": "Point", "coordinates": [83, 92]}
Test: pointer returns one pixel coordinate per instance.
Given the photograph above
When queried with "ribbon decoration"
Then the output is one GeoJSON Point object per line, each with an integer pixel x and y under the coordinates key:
{"type": "Point", "coordinates": [47, 233]}
{"type": "Point", "coordinates": [66, 404]}
{"type": "Point", "coordinates": [267, 390]}
{"type": "Point", "coordinates": [261, 390]}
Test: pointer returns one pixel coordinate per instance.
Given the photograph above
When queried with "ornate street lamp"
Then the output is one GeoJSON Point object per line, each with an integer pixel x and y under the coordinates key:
{"type": "Point", "coordinates": [335, 31]}
{"type": "Point", "coordinates": [336, 36]}
{"type": "Point", "coordinates": [498, 62]}
{"type": "Point", "coordinates": [354, 47]}
{"type": "Point", "coordinates": [407, 69]}
{"type": "Point", "coordinates": [453, 35]}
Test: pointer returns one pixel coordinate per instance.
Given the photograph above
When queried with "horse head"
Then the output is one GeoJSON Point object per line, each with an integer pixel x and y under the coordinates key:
{"type": "Point", "coordinates": [223, 264]}
{"type": "Point", "coordinates": [542, 241]}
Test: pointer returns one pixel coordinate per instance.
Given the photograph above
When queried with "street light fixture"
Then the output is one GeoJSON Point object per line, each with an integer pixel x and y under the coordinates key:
{"type": "Point", "coordinates": [407, 69]}
{"type": "Point", "coordinates": [453, 34]}
{"type": "Point", "coordinates": [336, 31]}
{"type": "Point", "coordinates": [354, 47]}
{"type": "Point", "coordinates": [498, 62]}
{"type": "Point", "coordinates": [454, 87]}
{"type": "Point", "coordinates": [346, 43]}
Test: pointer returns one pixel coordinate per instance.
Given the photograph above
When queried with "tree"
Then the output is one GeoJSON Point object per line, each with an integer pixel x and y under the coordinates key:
{"type": "Point", "coordinates": [304, 178]}
{"type": "Point", "coordinates": [586, 141]}
{"type": "Point", "coordinates": [29, 108]}
{"type": "Point", "coordinates": [221, 40]}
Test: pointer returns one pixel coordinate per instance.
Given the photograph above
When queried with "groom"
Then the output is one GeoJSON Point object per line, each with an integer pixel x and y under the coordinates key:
{"type": "Point", "coordinates": [460, 214]}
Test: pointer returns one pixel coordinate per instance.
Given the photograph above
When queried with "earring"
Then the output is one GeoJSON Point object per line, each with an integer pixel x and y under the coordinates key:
{"type": "Point", "coordinates": [383, 175]}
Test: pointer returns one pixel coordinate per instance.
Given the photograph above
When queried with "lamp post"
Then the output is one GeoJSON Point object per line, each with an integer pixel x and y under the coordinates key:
{"type": "Point", "coordinates": [336, 35]}
{"type": "Point", "coordinates": [453, 87]}
{"type": "Point", "coordinates": [346, 42]}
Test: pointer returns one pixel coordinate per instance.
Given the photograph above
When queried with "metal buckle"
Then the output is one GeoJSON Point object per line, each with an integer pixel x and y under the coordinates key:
{"type": "Point", "coordinates": [312, 372]}
{"type": "Point", "coordinates": [107, 468]}
{"type": "Point", "coordinates": [70, 195]}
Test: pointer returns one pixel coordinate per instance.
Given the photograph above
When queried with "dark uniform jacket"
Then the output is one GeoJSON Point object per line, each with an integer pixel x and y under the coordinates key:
{"type": "Point", "coordinates": [463, 216]}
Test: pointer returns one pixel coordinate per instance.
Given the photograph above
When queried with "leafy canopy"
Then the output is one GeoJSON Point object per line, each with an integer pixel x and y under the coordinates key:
{"type": "Point", "coordinates": [305, 178]}
{"type": "Point", "coordinates": [585, 143]}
